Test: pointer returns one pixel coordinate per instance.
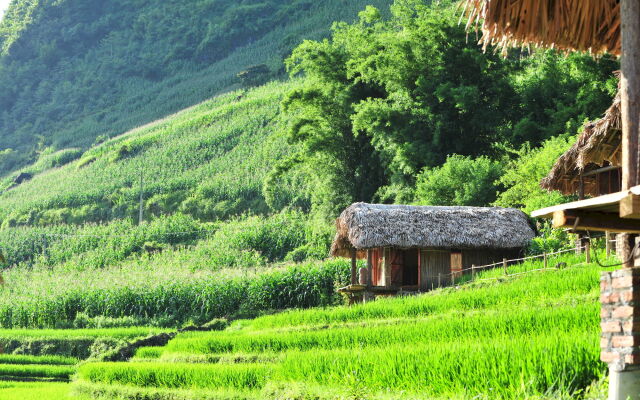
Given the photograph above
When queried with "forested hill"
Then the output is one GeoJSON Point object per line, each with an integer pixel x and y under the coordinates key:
{"type": "Point", "coordinates": [73, 71]}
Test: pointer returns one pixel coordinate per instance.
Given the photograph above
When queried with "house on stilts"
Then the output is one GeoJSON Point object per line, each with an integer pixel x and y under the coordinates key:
{"type": "Point", "coordinates": [418, 248]}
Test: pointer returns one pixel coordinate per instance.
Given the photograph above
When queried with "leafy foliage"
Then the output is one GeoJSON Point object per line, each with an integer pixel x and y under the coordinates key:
{"type": "Point", "coordinates": [383, 99]}
{"type": "Point", "coordinates": [522, 177]}
{"type": "Point", "coordinates": [460, 181]}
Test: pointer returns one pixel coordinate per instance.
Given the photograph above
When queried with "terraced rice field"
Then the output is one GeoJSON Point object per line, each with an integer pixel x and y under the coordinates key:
{"type": "Point", "coordinates": [34, 377]}
{"type": "Point", "coordinates": [530, 336]}
{"type": "Point", "coordinates": [46, 376]}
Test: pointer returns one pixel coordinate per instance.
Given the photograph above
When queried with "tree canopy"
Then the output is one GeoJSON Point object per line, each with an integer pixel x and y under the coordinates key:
{"type": "Point", "coordinates": [383, 99]}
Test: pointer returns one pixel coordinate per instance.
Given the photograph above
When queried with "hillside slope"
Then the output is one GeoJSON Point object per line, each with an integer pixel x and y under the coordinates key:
{"type": "Point", "coordinates": [208, 161]}
{"type": "Point", "coordinates": [73, 70]}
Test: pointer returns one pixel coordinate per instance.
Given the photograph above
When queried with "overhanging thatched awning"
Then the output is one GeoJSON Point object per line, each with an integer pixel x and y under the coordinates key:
{"type": "Point", "coordinates": [598, 145]}
{"type": "Point", "coordinates": [582, 25]}
{"type": "Point", "coordinates": [366, 226]}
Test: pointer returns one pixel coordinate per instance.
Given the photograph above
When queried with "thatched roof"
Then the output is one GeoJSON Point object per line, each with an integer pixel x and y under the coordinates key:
{"type": "Point", "coordinates": [598, 146]}
{"type": "Point", "coordinates": [365, 226]}
{"type": "Point", "coordinates": [582, 25]}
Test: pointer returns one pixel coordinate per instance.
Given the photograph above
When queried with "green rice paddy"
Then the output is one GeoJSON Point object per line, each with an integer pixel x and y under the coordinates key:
{"type": "Point", "coordinates": [531, 336]}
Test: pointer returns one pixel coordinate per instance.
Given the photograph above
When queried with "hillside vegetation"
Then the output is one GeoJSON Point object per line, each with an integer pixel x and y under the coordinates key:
{"type": "Point", "coordinates": [208, 161]}
{"type": "Point", "coordinates": [360, 124]}
{"type": "Point", "coordinates": [75, 70]}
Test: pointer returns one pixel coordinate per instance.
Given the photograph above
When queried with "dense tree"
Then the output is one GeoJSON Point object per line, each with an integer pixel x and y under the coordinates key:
{"type": "Point", "coordinates": [382, 99]}
{"type": "Point", "coordinates": [523, 175]}
{"type": "Point", "coordinates": [460, 181]}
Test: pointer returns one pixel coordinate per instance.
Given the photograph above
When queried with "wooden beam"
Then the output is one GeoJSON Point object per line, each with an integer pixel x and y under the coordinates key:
{"type": "Point", "coordinates": [630, 90]}
{"type": "Point", "coordinates": [594, 221]}
{"type": "Point", "coordinates": [600, 170]}
{"type": "Point", "coordinates": [630, 207]}
{"type": "Point", "coordinates": [601, 201]}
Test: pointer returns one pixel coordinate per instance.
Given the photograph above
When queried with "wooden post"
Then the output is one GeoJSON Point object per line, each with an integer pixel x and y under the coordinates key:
{"type": "Point", "coordinates": [473, 272]}
{"type": "Point", "coordinates": [607, 244]}
{"type": "Point", "coordinates": [354, 278]}
{"type": "Point", "coordinates": [439, 279]}
{"type": "Point", "coordinates": [545, 261]}
{"type": "Point", "coordinates": [141, 210]}
{"type": "Point", "coordinates": [370, 269]}
{"type": "Point", "coordinates": [587, 250]}
{"type": "Point", "coordinates": [504, 265]}
{"type": "Point", "coordinates": [579, 244]}
{"type": "Point", "coordinates": [630, 97]}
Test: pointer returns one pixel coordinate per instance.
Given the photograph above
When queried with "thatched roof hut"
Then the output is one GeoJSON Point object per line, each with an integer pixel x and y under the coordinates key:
{"type": "Point", "coordinates": [365, 226]}
{"type": "Point", "coordinates": [598, 146]}
{"type": "Point", "coordinates": [582, 25]}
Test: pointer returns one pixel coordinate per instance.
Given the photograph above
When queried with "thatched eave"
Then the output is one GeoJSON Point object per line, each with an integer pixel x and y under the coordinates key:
{"type": "Point", "coordinates": [581, 25]}
{"type": "Point", "coordinates": [598, 145]}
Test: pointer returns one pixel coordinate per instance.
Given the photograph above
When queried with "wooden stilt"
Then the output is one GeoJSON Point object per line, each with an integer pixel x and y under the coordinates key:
{"type": "Point", "coordinates": [354, 277]}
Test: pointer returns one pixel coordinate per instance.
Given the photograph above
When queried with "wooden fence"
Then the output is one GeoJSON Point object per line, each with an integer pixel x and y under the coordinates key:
{"type": "Point", "coordinates": [473, 273]}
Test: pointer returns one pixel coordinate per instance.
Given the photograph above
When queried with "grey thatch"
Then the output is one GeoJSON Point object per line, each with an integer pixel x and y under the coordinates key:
{"type": "Point", "coordinates": [598, 145]}
{"type": "Point", "coordinates": [365, 226]}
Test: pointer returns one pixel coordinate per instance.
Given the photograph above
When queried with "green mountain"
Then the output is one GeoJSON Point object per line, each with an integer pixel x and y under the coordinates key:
{"type": "Point", "coordinates": [72, 71]}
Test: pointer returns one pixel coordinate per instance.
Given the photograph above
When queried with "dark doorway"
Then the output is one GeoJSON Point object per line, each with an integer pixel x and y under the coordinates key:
{"type": "Point", "coordinates": [410, 268]}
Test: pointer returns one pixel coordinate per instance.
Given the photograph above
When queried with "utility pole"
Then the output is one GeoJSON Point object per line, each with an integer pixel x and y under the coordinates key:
{"type": "Point", "coordinates": [141, 210]}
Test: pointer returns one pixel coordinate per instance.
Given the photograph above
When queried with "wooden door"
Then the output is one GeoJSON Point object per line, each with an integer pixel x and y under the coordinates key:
{"type": "Point", "coordinates": [377, 259]}
{"type": "Point", "coordinates": [456, 264]}
{"type": "Point", "coordinates": [397, 264]}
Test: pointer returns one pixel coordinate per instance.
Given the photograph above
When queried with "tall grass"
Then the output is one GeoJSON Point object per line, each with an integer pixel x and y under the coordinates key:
{"type": "Point", "coordinates": [118, 333]}
{"type": "Point", "coordinates": [36, 391]}
{"type": "Point", "coordinates": [169, 295]}
{"type": "Point", "coordinates": [572, 285]}
{"type": "Point", "coordinates": [36, 371]}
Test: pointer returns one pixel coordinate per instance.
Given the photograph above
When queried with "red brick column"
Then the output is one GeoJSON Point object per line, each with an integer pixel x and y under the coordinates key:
{"type": "Point", "coordinates": [620, 318]}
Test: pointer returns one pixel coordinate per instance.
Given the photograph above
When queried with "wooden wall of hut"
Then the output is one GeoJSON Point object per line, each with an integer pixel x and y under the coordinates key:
{"type": "Point", "coordinates": [435, 268]}
{"type": "Point", "coordinates": [395, 267]}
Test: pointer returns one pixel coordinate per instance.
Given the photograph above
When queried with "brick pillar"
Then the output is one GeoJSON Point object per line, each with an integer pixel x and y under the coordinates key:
{"type": "Point", "coordinates": [620, 319]}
